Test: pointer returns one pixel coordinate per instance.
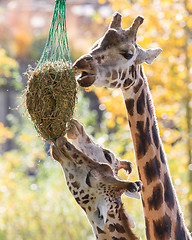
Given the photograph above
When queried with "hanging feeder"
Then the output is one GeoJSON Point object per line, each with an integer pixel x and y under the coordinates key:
{"type": "Point", "coordinates": [51, 88]}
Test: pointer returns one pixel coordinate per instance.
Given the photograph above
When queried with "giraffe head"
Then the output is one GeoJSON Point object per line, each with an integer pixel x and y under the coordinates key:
{"type": "Point", "coordinates": [94, 186]}
{"type": "Point", "coordinates": [83, 142]}
{"type": "Point", "coordinates": [111, 59]}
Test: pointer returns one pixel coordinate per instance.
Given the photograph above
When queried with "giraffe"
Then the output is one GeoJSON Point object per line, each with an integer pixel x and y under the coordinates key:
{"type": "Point", "coordinates": [83, 142]}
{"type": "Point", "coordinates": [97, 191]}
{"type": "Point", "coordinates": [115, 61]}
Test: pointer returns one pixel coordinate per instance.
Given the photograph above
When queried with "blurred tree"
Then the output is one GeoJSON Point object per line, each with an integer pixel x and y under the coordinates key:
{"type": "Point", "coordinates": [9, 75]}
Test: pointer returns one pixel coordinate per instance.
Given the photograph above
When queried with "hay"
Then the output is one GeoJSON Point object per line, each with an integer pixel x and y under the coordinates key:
{"type": "Point", "coordinates": [51, 98]}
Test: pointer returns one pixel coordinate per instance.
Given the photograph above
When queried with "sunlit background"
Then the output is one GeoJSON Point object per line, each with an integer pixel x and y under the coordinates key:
{"type": "Point", "coordinates": [35, 203]}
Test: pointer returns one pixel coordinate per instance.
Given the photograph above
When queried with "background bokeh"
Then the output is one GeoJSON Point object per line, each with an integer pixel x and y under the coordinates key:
{"type": "Point", "coordinates": [34, 200]}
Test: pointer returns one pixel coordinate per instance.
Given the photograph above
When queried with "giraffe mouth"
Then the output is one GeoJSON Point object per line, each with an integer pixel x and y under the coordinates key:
{"type": "Point", "coordinates": [85, 79]}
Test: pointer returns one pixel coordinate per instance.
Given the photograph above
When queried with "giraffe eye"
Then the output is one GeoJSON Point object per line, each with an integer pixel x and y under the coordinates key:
{"type": "Point", "coordinates": [127, 54]}
{"type": "Point", "coordinates": [108, 157]}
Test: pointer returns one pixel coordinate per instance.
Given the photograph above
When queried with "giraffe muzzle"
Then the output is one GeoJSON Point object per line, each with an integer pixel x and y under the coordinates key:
{"type": "Point", "coordinates": [85, 70]}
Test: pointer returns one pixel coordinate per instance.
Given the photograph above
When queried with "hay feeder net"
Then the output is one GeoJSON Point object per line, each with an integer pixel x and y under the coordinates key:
{"type": "Point", "coordinates": [51, 89]}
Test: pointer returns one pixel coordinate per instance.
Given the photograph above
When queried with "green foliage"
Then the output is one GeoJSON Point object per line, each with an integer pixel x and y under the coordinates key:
{"type": "Point", "coordinates": [9, 75]}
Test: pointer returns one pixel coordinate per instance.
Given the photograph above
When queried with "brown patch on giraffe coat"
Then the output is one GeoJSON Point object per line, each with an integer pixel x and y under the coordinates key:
{"type": "Point", "coordinates": [147, 229]}
{"type": "Point", "coordinates": [127, 82]}
{"type": "Point", "coordinates": [152, 170]}
{"type": "Point", "coordinates": [123, 75]}
{"type": "Point", "coordinates": [132, 71]}
{"type": "Point", "coordinates": [111, 215]}
{"type": "Point", "coordinates": [143, 203]}
{"type": "Point", "coordinates": [88, 179]}
{"type": "Point", "coordinates": [129, 123]}
{"type": "Point", "coordinates": [179, 231]}
{"type": "Point", "coordinates": [89, 208]}
{"type": "Point", "coordinates": [168, 193]}
{"type": "Point", "coordinates": [85, 201]}
{"type": "Point", "coordinates": [75, 184]}
{"type": "Point", "coordinates": [129, 103]}
{"type": "Point", "coordinates": [141, 103]}
{"type": "Point", "coordinates": [162, 155]}
{"type": "Point", "coordinates": [121, 238]}
{"type": "Point", "coordinates": [143, 138]}
{"type": "Point", "coordinates": [162, 228]}
{"type": "Point", "coordinates": [100, 231]}
{"type": "Point", "coordinates": [119, 228]}
{"type": "Point", "coordinates": [114, 75]}
{"type": "Point", "coordinates": [156, 200]}
{"type": "Point", "coordinates": [82, 191]}
{"type": "Point", "coordinates": [77, 200]}
{"type": "Point", "coordinates": [71, 176]}
{"type": "Point", "coordinates": [74, 192]}
{"type": "Point", "coordinates": [149, 106]}
{"type": "Point", "coordinates": [86, 196]}
{"type": "Point", "coordinates": [119, 85]}
{"type": "Point", "coordinates": [155, 135]}
{"type": "Point", "coordinates": [138, 86]}
{"type": "Point", "coordinates": [111, 227]}
{"type": "Point", "coordinates": [113, 84]}
{"type": "Point", "coordinates": [120, 71]}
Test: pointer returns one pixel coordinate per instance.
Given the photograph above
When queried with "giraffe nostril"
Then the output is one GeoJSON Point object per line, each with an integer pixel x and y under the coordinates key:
{"type": "Point", "coordinates": [68, 146]}
{"type": "Point", "coordinates": [88, 58]}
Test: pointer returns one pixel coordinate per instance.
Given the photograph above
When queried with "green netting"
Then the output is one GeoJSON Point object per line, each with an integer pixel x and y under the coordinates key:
{"type": "Point", "coordinates": [51, 89]}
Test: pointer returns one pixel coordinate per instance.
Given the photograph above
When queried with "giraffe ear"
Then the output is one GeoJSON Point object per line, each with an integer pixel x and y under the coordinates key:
{"type": "Point", "coordinates": [100, 214]}
{"type": "Point", "coordinates": [148, 55]}
{"type": "Point", "coordinates": [151, 54]}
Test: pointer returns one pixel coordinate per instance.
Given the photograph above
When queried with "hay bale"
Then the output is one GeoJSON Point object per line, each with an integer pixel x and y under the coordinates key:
{"type": "Point", "coordinates": [51, 98]}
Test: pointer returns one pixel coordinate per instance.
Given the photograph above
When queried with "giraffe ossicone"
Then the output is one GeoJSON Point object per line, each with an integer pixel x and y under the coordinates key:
{"type": "Point", "coordinates": [115, 61]}
{"type": "Point", "coordinates": [97, 190]}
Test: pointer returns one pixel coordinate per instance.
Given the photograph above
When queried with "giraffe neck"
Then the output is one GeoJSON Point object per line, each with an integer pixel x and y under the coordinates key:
{"type": "Point", "coordinates": [117, 226]}
{"type": "Point", "coordinates": [163, 216]}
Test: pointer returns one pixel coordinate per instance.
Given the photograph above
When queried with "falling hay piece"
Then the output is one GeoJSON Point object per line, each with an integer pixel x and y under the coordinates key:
{"type": "Point", "coordinates": [51, 98]}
